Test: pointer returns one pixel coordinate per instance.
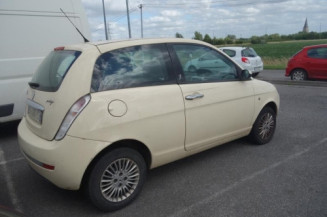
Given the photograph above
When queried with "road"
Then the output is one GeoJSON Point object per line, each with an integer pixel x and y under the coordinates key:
{"type": "Point", "coordinates": [287, 177]}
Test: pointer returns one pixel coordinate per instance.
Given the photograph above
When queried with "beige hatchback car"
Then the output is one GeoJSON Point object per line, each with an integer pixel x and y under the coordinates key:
{"type": "Point", "coordinates": [99, 115]}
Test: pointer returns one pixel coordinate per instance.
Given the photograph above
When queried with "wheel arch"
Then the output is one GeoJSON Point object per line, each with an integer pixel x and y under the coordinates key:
{"type": "Point", "coordinates": [127, 143]}
{"type": "Point", "coordinates": [272, 105]}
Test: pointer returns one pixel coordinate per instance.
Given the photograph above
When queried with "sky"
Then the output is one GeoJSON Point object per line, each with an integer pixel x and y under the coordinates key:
{"type": "Point", "coordinates": [217, 18]}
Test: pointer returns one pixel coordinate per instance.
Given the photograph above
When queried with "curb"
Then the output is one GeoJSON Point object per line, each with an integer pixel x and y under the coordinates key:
{"type": "Point", "coordinates": [297, 83]}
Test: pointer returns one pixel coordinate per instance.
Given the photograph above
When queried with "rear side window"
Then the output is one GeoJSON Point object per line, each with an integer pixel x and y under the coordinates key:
{"type": "Point", "coordinates": [53, 69]}
{"type": "Point", "coordinates": [249, 52]}
{"type": "Point", "coordinates": [320, 53]}
{"type": "Point", "coordinates": [229, 52]}
{"type": "Point", "coordinates": [136, 66]}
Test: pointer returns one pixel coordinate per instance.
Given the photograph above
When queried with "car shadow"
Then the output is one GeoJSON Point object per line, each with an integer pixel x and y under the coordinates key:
{"type": "Point", "coordinates": [9, 129]}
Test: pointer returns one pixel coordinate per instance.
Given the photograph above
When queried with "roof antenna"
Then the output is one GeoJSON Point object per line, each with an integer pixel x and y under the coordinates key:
{"type": "Point", "coordinates": [85, 40]}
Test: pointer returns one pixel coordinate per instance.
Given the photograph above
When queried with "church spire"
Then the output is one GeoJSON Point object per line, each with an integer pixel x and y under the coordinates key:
{"type": "Point", "coordinates": [306, 27]}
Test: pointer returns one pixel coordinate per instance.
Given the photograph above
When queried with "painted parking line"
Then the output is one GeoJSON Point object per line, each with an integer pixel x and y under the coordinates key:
{"type": "Point", "coordinates": [9, 182]}
{"type": "Point", "coordinates": [188, 210]}
{"type": "Point", "coordinates": [11, 161]}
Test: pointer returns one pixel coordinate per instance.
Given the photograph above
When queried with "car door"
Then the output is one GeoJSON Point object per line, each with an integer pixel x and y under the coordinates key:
{"type": "Point", "coordinates": [317, 62]}
{"type": "Point", "coordinates": [218, 106]}
{"type": "Point", "coordinates": [136, 94]}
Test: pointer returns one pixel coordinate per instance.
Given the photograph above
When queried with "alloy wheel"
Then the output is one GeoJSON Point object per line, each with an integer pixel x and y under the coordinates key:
{"type": "Point", "coordinates": [119, 180]}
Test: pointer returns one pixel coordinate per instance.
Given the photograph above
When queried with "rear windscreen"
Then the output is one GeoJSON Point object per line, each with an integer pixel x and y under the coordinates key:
{"type": "Point", "coordinates": [53, 69]}
{"type": "Point", "coordinates": [249, 52]}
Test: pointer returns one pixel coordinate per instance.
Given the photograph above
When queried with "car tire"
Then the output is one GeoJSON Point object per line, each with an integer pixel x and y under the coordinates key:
{"type": "Point", "coordinates": [191, 69]}
{"type": "Point", "coordinates": [116, 179]}
{"type": "Point", "coordinates": [264, 127]}
{"type": "Point", "coordinates": [299, 75]}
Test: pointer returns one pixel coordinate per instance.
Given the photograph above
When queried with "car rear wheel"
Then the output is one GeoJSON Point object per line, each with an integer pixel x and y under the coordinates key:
{"type": "Point", "coordinates": [298, 75]}
{"type": "Point", "coordinates": [116, 179]}
{"type": "Point", "coordinates": [264, 127]}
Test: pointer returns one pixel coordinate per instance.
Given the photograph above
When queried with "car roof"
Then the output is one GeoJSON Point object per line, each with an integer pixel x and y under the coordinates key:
{"type": "Point", "coordinates": [315, 46]}
{"type": "Point", "coordinates": [104, 46]}
{"type": "Point", "coordinates": [234, 48]}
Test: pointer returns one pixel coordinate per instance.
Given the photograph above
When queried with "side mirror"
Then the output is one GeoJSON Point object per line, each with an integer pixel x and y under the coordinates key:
{"type": "Point", "coordinates": [244, 75]}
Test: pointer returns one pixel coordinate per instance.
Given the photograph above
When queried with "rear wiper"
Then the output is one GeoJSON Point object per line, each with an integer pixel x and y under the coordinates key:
{"type": "Point", "coordinates": [33, 84]}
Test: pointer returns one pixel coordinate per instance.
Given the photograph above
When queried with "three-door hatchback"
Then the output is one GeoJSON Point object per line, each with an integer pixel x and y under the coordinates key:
{"type": "Point", "coordinates": [99, 115]}
{"type": "Point", "coordinates": [246, 57]}
{"type": "Point", "coordinates": [308, 63]}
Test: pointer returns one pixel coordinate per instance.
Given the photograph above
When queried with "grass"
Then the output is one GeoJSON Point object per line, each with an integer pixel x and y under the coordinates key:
{"type": "Point", "coordinates": [275, 55]}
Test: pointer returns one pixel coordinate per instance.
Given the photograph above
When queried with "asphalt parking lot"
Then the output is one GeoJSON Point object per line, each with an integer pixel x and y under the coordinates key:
{"type": "Point", "coordinates": [287, 177]}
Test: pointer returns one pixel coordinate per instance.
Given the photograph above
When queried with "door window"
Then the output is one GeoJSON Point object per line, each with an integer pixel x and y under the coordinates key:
{"type": "Point", "coordinates": [132, 67]}
{"type": "Point", "coordinates": [203, 64]}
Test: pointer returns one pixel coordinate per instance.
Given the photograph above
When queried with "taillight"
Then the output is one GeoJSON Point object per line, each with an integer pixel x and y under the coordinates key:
{"type": "Point", "coordinates": [74, 111]}
{"type": "Point", "coordinates": [245, 60]}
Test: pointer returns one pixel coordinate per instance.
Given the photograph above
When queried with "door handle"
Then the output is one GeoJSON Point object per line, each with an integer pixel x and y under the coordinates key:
{"type": "Point", "coordinates": [194, 96]}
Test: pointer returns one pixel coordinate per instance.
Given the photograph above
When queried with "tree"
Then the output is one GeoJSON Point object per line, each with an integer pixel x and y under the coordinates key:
{"type": "Point", "coordinates": [207, 39]}
{"type": "Point", "coordinates": [198, 36]}
{"type": "Point", "coordinates": [255, 40]}
{"type": "Point", "coordinates": [232, 37]}
{"type": "Point", "coordinates": [178, 35]}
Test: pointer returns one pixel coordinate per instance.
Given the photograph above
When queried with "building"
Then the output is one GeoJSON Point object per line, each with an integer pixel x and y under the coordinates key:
{"type": "Point", "coordinates": [306, 27]}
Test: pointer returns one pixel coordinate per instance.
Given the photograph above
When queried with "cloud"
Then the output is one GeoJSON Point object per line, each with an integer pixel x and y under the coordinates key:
{"type": "Point", "coordinates": [243, 18]}
{"type": "Point", "coordinates": [171, 13]}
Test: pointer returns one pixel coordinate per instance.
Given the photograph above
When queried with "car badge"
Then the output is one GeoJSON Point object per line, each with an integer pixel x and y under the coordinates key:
{"type": "Point", "coordinates": [50, 101]}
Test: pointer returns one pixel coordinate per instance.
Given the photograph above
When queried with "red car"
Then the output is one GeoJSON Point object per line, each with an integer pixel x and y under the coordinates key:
{"type": "Point", "coordinates": [308, 63]}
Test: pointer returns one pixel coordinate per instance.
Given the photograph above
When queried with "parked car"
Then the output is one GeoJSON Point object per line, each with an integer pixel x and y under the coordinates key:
{"type": "Point", "coordinates": [308, 63]}
{"type": "Point", "coordinates": [99, 115]}
{"type": "Point", "coordinates": [246, 57]}
{"type": "Point", "coordinates": [207, 61]}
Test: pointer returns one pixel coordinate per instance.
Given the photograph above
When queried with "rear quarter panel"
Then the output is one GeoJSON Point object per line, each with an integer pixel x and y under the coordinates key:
{"type": "Point", "coordinates": [154, 116]}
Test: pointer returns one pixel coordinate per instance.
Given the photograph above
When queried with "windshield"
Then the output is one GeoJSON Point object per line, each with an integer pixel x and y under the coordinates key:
{"type": "Point", "coordinates": [53, 69]}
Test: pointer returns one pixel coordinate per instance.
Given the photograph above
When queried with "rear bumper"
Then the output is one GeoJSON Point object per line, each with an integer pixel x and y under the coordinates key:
{"type": "Point", "coordinates": [62, 162]}
{"type": "Point", "coordinates": [253, 69]}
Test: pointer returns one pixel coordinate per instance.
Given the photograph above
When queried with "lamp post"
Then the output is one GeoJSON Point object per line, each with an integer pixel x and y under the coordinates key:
{"type": "Point", "coordinates": [141, 6]}
{"type": "Point", "coordinates": [104, 18]}
{"type": "Point", "coordinates": [129, 25]}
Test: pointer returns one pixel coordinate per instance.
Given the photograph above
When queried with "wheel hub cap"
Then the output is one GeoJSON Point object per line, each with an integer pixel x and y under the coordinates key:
{"type": "Point", "coordinates": [119, 180]}
{"type": "Point", "coordinates": [298, 76]}
{"type": "Point", "coordinates": [266, 126]}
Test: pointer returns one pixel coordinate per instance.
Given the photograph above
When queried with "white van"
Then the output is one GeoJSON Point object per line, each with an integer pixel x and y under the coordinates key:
{"type": "Point", "coordinates": [29, 30]}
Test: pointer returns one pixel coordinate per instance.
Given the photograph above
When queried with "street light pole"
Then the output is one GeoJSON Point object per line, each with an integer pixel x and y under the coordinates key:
{"type": "Point", "coordinates": [140, 6]}
{"type": "Point", "coordinates": [129, 25]}
{"type": "Point", "coordinates": [104, 18]}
